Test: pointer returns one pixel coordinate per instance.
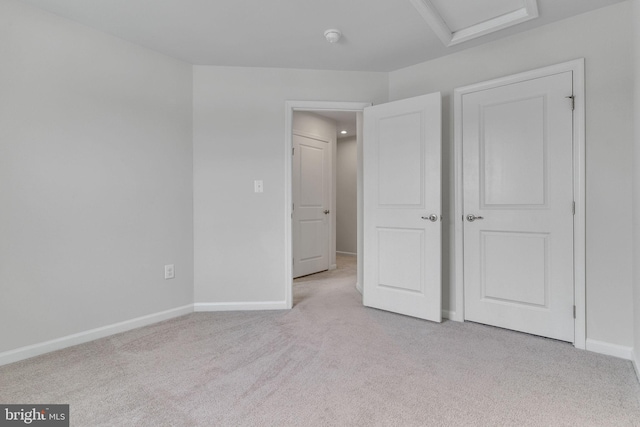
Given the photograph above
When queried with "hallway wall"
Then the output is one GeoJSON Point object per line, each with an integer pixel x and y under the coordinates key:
{"type": "Point", "coordinates": [347, 192]}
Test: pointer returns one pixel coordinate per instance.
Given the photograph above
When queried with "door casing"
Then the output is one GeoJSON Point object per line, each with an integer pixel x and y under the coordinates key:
{"type": "Point", "coordinates": [579, 187]}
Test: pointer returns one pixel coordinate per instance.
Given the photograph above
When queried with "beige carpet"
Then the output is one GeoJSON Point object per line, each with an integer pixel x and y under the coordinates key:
{"type": "Point", "coordinates": [327, 362]}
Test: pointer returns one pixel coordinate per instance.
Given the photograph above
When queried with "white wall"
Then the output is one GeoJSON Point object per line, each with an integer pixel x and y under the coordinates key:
{"type": "Point", "coordinates": [603, 37]}
{"type": "Point", "coordinates": [95, 179]}
{"type": "Point", "coordinates": [239, 136]}
{"type": "Point", "coordinates": [636, 186]}
{"type": "Point", "coordinates": [347, 195]}
{"type": "Point", "coordinates": [311, 124]}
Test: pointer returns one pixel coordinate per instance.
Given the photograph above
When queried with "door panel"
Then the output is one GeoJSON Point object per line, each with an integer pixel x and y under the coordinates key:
{"type": "Point", "coordinates": [311, 198]}
{"type": "Point", "coordinates": [400, 173]}
{"type": "Point", "coordinates": [312, 164]}
{"type": "Point", "coordinates": [401, 164]}
{"type": "Point", "coordinates": [394, 272]}
{"type": "Point", "coordinates": [513, 168]}
{"type": "Point", "coordinates": [525, 281]}
{"type": "Point", "coordinates": [518, 181]}
{"type": "Point", "coordinates": [311, 240]}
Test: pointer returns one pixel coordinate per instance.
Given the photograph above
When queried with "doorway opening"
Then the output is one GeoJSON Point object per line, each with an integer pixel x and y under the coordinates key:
{"type": "Point", "coordinates": [324, 189]}
{"type": "Point", "coordinates": [346, 116]}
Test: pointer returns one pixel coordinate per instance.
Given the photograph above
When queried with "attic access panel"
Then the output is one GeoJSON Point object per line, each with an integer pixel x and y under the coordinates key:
{"type": "Point", "coordinates": [456, 21]}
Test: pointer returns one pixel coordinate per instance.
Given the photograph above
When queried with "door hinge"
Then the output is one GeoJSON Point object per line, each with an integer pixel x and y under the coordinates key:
{"type": "Point", "coordinates": [293, 151]}
{"type": "Point", "coordinates": [573, 101]}
{"type": "Point", "coordinates": [574, 311]}
{"type": "Point", "coordinates": [574, 208]}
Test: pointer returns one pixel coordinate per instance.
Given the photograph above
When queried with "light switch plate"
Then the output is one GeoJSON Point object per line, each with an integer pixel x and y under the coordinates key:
{"type": "Point", "coordinates": [258, 187]}
{"type": "Point", "coordinates": [169, 271]}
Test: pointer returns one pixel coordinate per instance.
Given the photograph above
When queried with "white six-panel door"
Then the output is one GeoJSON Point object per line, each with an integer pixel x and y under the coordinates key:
{"type": "Point", "coordinates": [311, 202]}
{"type": "Point", "coordinates": [518, 206]}
{"type": "Point", "coordinates": [402, 207]}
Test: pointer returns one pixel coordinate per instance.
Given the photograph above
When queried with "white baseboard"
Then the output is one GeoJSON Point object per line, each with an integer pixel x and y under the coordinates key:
{"type": "Point", "coordinates": [347, 253]}
{"type": "Point", "coordinates": [333, 266]}
{"type": "Point", "coordinates": [240, 306]}
{"type": "Point", "coordinates": [90, 335]}
{"type": "Point", "coordinates": [359, 287]}
{"type": "Point", "coordinates": [636, 363]}
{"type": "Point", "coordinates": [609, 349]}
{"type": "Point", "coordinates": [451, 315]}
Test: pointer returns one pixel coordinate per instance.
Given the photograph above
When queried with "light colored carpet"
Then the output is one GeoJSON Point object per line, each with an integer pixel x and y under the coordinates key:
{"type": "Point", "coordinates": [327, 362]}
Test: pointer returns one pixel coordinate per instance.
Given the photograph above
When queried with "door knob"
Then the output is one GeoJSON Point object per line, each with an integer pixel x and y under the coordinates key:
{"type": "Point", "coordinates": [326, 212]}
{"type": "Point", "coordinates": [432, 217]}
{"type": "Point", "coordinates": [472, 218]}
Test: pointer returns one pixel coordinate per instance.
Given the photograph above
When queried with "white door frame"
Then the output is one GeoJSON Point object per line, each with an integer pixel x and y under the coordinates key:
{"type": "Point", "coordinates": [290, 107]}
{"type": "Point", "coordinates": [579, 188]}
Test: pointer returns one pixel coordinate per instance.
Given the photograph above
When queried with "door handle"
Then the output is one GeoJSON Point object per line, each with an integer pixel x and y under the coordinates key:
{"type": "Point", "coordinates": [326, 212]}
{"type": "Point", "coordinates": [432, 217]}
{"type": "Point", "coordinates": [472, 218]}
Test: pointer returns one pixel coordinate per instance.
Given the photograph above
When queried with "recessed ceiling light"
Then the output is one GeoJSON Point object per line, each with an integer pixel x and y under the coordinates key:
{"type": "Point", "coordinates": [344, 132]}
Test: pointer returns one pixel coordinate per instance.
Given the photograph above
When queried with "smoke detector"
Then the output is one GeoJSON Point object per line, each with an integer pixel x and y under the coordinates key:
{"type": "Point", "coordinates": [332, 35]}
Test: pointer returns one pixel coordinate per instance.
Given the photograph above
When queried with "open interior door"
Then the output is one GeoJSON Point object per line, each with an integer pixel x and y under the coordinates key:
{"type": "Point", "coordinates": [402, 207]}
